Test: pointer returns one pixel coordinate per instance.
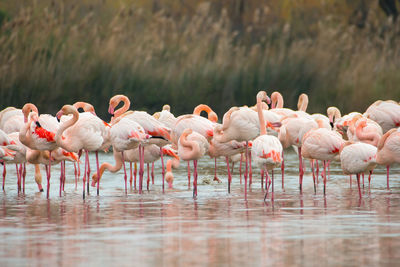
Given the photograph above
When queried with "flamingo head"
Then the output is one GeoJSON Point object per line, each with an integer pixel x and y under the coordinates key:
{"type": "Point", "coordinates": [264, 97]}
{"type": "Point", "coordinates": [166, 107]}
{"type": "Point", "coordinates": [85, 106]}
{"type": "Point", "coordinates": [212, 116]}
{"type": "Point", "coordinates": [169, 178]}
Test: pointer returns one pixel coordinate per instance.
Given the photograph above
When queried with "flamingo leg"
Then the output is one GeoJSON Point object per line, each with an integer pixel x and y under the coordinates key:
{"type": "Point", "coordinates": [98, 172]}
{"type": "Point", "coordinates": [79, 170]}
{"type": "Point", "coordinates": [18, 178]}
{"type": "Point", "coordinates": [88, 171]}
{"type": "Point", "coordinates": [301, 171]}
{"type": "Point", "coordinates": [233, 165]}
{"type": "Point", "coordinates": [148, 176]}
{"type": "Point", "coordinates": [188, 169]}
{"type": "Point", "coordinates": [152, 173]}
{"type": "Point", "coordinates": [125, 175]}
{"type": "Point", "coordinates": [64, 176]}
{"type": "Point", "coordinates": [317, 172]}
{"type": "Point", "coordinates": [23, 178]}
{"type": "Point", "coordinates": [363, 179]}
{"type": "Point", "coordinates": [329, 169]}
{"type": "Point", "coordinates": [130, 175]}
{"type": "Point", "coordinates": [195, 179]}
{"type": "Point", "coordinates": [135, 173]}
{"type": "Point", "coordinates": [369, 178]}
{"type": "Point", "coordinates": [358, 183]}
{"type": "Point", "coordinates": [266, 182]}
{"type": "Point", "coordinates": [162, 168]}
{"type": "Point", "coordinates": [324, 177]}
{"type": "Point", "coordinates": [250, 171]}
{"type": "Point", "coordinates": [84, 177]}
{"type": "Point", "coordinates": [283, 172]}
{"type": "Point", "coordinates": [262, 179]}
{"type": "Point", "coordinates": [48, 176]}
{"type": "Point", "coordinates": [272, 193]}
{"type": "Point", "coordinates": [229, 175]}
{"type": "Point", "coordinates": [350, 179]}
{"type": "Point", "coordinates": [387, 176]}
{"type": "Point", "coordinates": [4, 174]}
{"type": "Point", "coordinates": [141, 167]}
{"type": "Point", "coordinates": [245, 172]}
{"type": "Point", "coordinates": [313, 175]}
{"type": "Point", "coordinates": [61, 178]}
{"type": "Point", "coordinates": [240, 167]}
{"type": "Point", "coordinates": [215, 169]}
{"type": "Point", "coordinates": [76, 175]}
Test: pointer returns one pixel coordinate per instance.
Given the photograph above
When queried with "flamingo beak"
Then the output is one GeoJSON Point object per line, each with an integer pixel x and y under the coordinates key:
{"type": "Point", "coordinates": [111, 110]}
{"type": "Point", "coordinates": [58, 115]}
{"type": "Point", "coordinates": [169, 152]}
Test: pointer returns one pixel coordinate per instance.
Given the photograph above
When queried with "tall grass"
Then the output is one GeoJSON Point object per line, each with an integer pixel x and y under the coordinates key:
{"type": "Point", "coordinates": [58, 55]}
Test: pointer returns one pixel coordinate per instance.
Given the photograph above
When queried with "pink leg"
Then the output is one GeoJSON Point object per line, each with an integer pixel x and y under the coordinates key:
{"type": "Point", "coordinates": [18, 178]}
{"type": "Point", "coordinates": [48, 177]}
{"type": "Point", "coordinates": [317, 172]}
{"type": "Point", "coordinates": [76, 175]}
{"type": "Point", "coordinates": [4, 174]}
{"type": "Point", "coordinates": [195, 179]}
{"type": "Point", "coordinates": [148, 176]}
{"type": "Point", "coordinates": [363, 179]}
{"type": "Point", "coordinates": [188, 169]}
{"type": "Point", "coordinates": [125, 175]}
{"type": "Point", "coordinates": [324, 177]}
{"type": "Point", "coordinates": [84, 177]}
{"type": "Point", "coordinates": [23, 178]}
{"type": "Point", "coordinates": [301, 172]}
{"type": "Point", "coordinates": [350, 179]}
{"type": "Point", "coordinates": [250, 171]}
{"type": "Point", "coordinates": [64, 176]}
{"type": "Point", "coordinates": [134, 174]}
{"type": "Point", "coordinates": [369, 178]}
{"type": "Point", "coordinates": [98, 171]}
{"type": "Point", "coordinates": [387, 176]}
{"type": "Point", "coordinates": [266, 183]}
{"type": "Point", "coordinates": [329, 169]}
{"type": "Point", "coordinates": [313, 175]}
{"type": "Point", "coordinates": [130, 175]}
{"type": "Point", "coordinates": [262, 179]}
{"type": "Point", "coordinates": [246, 171]}
{"type": "Point", "coordinates": [240, 167]}
{"type": "Point", "coordinates": [88, 172]}
{"type": "Point", "coordinates": [162, 168]}
{"type": "Point", "coordinates": [272, 193]}
{"type": "Point", "coordinates": [215, 169]}
{"type": "Point", "coordinates": [152, 173]}
{"type": "Point", "coordinates": [141, 168]}
{"type": "Point", "coordinates": [358, 182]}
{"type": "Point", "coordinates": [283, 172]}
{"type": "Point", "coordinates": [61, 178]}
{"type": "Point", "coordinates": [229, 175]}
{"type": "Point", "coordinates": [79, 170]}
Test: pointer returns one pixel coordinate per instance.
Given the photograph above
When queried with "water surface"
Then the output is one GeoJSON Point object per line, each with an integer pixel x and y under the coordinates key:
{"type": "Point", "coordinates": [218, 229]}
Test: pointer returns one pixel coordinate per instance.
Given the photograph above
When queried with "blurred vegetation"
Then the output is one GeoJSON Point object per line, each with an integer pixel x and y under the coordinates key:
{"type": "Point", "coordinates": [343, 53]}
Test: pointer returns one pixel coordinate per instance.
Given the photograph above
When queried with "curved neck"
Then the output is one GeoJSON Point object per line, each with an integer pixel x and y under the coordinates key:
{"type": "Point", "coordinates": [263, 128]}
{"type": "Point", "coordinates": [372, 137]}
{"type": "Point", "coordinates": [277, 100]}
{"type": "Point", "coordinates": [66, 144]}
{"type": "Point", "coordinates": [27, 108]}
{"type": "Point", "coordinates": [382, 141]}
{"type": "Point", "coordinates": [303, 102]}
{"type": "Point", "coordinates": [226, 120]}
{"type": "Point", "coordinates": [192, 146]}
{"type": "Point", "coordinates": [24, 136]}
{"type": "Point", "coordinates": [202, 107]}
{"type": "Point", "coordinates": [169, 165]}
{"type": "Point", "coordinates": [107, 166]}
{"type": "Point", "coordinates": [124, 108]}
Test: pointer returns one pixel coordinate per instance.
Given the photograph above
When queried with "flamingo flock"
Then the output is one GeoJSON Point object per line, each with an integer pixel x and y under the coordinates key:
{"type": "Point", "coordinates": [250, 135]}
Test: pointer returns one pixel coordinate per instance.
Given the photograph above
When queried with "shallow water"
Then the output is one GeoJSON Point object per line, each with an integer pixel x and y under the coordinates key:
{"type": "Point", "coordinates": [218, 229]}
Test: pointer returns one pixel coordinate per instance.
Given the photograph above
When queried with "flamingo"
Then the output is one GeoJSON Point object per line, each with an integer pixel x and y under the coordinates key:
{"type": "Point", "coordinates": [266, 149]}
{"type": "Point", "coordinates": [339, 123]}
{"type": "Point", "coordinates": [389, 150]}
{"type": "Point", "coordinates": [291, 134]}
{"type": "Point", "coordinates": [151, 154]}
{"type": "Point", "coordinates": [166, 117]}
{"type": "Point", "coordinates": [192, 146]}
{"type": "Point", "coordinates": [385, 113]}
{"type": "Point", "coordinates": [227, 149]}
{"type": "Point", "coordinates": [169, 176]}
{"type": "Point", "coordinates": [321, 144]}
{"type": "Point", "coordinates": [357, 158]}
{"type": "Point", "coordinates": [161, 135]}
{"type": "Point", "coordinates": [84, 131]}
{"type": "Point", "coordinates": [212, 116]}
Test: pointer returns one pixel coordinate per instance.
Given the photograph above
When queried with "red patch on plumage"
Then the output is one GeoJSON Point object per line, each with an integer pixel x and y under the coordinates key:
{"type": "Point", "coordinates": [397, 124]}
{"type": "Point", "coordinates": [210, 133]}
{"type": "Point", "coordinates": [106, 124]}
{"type": "Point", "coordinates": [297, 140]}
{"type": "Point", "coordinates": [160, 132]}
{"type": "Point", "coordinates": [43, 133]}
{"type": "Point", "coordinates": [335, 150]}
{"type": "Point", "coordinates": [70, 154]}
{"type": "Point", "coordinates": [276, 157]}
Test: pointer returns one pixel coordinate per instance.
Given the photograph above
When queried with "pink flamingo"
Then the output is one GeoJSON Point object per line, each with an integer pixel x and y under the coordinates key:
{"type": "Point", "coordinates": [161, 135]}
{"type": "Point", "coordinates": [192, 146]}
{"type": "Point", "coordinates": [385, 113]}
{"type": "Point", "coordinates": [389, 150]}
{"type": "Point", "coordinates": [266, 149]}
{"type": "Point", "coordinates": [84, 131]}
{"type": "Point", "coordinates": [291, 134]}
{"type": "Point", "coordinates": [169, 176]}
{"type": "Point", "coordinates": [357, 158]}
{"type": "Point", "coordinates": [166, 117]}
{"type": "Point", "coordinates": [321, 144]}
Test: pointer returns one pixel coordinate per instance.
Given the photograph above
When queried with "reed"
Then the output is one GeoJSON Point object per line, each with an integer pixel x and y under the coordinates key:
{"type": "Point", "coordinates": [56, 55]}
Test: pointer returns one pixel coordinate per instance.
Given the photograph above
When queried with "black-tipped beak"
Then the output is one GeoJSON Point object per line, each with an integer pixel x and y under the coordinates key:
{"type": "Point", "coordinates": [58, 119]}
{"type": "Point", "coordinates": [38, 124]}
{"type": "Point", "coordinates": [331, 123]}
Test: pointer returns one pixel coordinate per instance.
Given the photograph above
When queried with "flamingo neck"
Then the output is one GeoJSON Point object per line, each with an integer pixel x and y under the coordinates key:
{"type": "Point", "coordinates": [192, 146]}
{"type": "Point", "coordinates": [303, 102]}
{"type": "Point", "coordinates": [277, 100]}
{"type": "Point", "coordinates": [367, 136]}
{"type": "Point", "coordinates": [169, 165]}
{"type": "Point", "coordinates": [24, 136]}
{"type": "Point", "coordinates": [27, 108]}
{"type": "Point", "coordinates": [382, 141]}
{"type": "Point", "coordinates": [66, 144]}
{"type": "Point", "coordinates": [124, 108]}
{"type": "Point", "coordinates": [107, 166]}
{"type": "Point", "coordinates": [263, 128]}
